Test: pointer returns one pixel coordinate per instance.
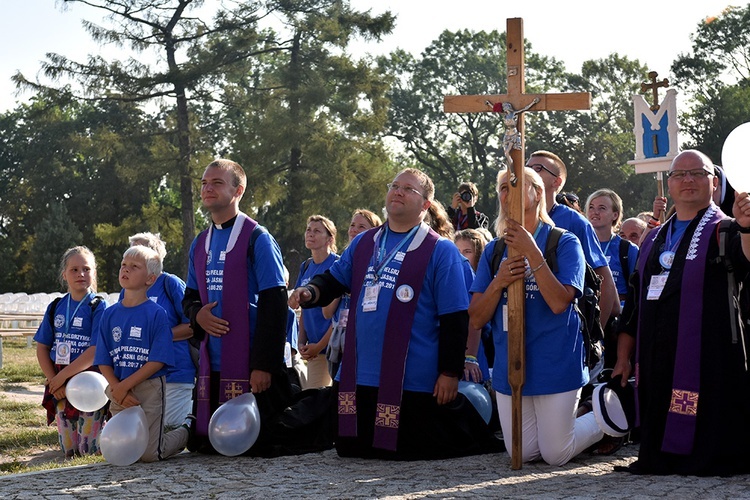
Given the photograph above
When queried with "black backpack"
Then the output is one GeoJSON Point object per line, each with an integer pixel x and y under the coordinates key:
{"type": "Point", "coordinates": [587, 306]}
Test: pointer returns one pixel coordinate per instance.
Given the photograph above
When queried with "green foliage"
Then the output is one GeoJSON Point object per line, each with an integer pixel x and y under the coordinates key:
{"type": "Point", "coordinates": [52, 237]}
{"type": "Point", "coordinates": [716, 74]}
{"type": "Point", "coordinates": [304, 121]}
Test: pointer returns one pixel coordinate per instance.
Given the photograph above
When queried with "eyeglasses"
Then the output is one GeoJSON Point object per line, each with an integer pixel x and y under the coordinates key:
{"type": "Point", "coordinates": [698, 173]}
{"type": "Point", "coordinates": [538, 167]}
{"type": "Point", "coordinates": [392, 186]}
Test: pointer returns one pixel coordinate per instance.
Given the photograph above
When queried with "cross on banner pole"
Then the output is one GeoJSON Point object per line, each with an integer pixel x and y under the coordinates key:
{"type": "Point", "coordinates": [513, 104]}
{"type": "Point", "coordinates": [654, 88]}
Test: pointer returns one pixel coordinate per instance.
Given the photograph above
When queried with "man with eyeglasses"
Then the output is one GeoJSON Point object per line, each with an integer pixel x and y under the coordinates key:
{"type": "Point", "coordinates": [554, 173]}
{"type": "Point", "coordinates": [397, 389]}
{"type": "Point", "coordinates": [682, 323]}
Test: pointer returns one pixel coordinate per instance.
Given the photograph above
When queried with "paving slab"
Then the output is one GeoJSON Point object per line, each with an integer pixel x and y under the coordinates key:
{"type": "Point", "coordinates": [325, 475]}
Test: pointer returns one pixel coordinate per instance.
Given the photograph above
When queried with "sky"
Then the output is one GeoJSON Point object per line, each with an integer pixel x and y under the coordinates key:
{"type": "Point", "coordinates": [653, 31]}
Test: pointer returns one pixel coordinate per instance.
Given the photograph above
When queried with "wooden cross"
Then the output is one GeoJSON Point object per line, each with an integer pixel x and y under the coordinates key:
{"type": "Point", "coordinates": [654, 88]}
{"type": "Point", "coordinates": [517, 100]}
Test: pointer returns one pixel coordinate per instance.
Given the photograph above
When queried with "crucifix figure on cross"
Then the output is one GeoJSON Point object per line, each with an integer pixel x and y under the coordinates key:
{"type": "Point", "coordinates": [512, 137]}
{"type": "Point", "coordinates": [514, 104]}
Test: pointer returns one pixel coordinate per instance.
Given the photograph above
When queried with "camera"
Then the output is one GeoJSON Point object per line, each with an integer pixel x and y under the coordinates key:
{"type": "Point", "coordinates": [466, 196]}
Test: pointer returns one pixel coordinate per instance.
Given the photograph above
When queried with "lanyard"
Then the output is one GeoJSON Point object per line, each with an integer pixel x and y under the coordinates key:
{"type": "Point", "coordinates": [381, 263]}
{"type": "Point", "coordinates": [67, 311]}
{"type": "Point", "coordinates": [606, 249]}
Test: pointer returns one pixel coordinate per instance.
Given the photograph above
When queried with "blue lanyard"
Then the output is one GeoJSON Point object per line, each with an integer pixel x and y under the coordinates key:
{"type": "Point", "coordinates": [67, 311]}
{"type": "Point", "coordinates": [381, 264]}
{"type": "Point", "coordinates": [606, 249]}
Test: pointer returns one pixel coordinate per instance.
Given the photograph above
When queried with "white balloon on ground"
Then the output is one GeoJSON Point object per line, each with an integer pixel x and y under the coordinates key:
{"type": "Point", "coordinates": [235, 425]}
{"type": "Point", "coordinates": [85, 391]}
{"type": "Point", "coordinates": [478, 397]}
{"type": "Point", "coordinates": [125, 437]}
{"type": "Point", "coordinates": [734, 159]}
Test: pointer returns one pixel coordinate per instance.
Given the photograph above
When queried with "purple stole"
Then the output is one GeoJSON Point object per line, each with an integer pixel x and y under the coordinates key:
{"type": "Point", "coordinates": [235, 345]}
{"type": "Point", "coordinates": [679, 431]}
{"type": "Point", "coordinates": [401, 312]}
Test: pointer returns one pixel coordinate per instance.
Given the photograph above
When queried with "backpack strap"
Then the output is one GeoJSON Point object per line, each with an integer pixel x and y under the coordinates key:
{"type": "Point", "coordinates": [257, 231]}
{"type": "Point", "coordinates": [550, 249]}
{"type": "Point", "coordinates": [51, 315]}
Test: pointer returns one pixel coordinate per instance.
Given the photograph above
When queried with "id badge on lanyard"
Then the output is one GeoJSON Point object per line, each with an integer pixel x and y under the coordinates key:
{"type": "Point", "coordinates": [370, 300]}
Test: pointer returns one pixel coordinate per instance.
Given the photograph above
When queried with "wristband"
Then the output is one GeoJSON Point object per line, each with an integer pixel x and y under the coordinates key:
{"type": "Point", "coordinates": [743, 230]}
{"type": "Point", "coordinates": [472, 360]}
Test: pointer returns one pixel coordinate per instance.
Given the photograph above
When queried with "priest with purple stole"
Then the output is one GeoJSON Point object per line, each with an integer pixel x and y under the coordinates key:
{"type": "Point", "coordinates": [397, 388]}
{"type": "Point", "coordinates": [236, 301]}
{"type": "Point", "coordinates": [683, 325]}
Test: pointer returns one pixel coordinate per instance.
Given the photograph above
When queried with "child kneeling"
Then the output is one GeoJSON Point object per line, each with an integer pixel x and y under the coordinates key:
{"type": "Point", "coordinates": [134, 349]}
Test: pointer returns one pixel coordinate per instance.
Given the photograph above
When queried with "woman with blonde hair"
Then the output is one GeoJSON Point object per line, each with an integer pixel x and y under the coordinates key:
{"type": "Point", "coordinates": [555, 370]}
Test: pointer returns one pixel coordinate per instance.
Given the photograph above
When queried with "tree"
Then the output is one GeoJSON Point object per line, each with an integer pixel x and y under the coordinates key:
{"type": "Point", "coordinates": [716, 76]}
{"type": "Point", "coordinates": [597, 144]}
{"type": "Point", "coordinates": [305, 121]}
{"type": "Point", "coordinates": [52, 237]}
{"type": "Point", "coordinates": [457, 147]}
{"type": "Point", "coordinates": [165, 29]}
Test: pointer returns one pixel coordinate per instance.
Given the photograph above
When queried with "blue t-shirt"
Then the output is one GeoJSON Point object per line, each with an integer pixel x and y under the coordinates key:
{"type": "Point", "coordinates": [292, 329]}
{"type": "Point", "coordinates": [265, 270]}
{"type": "Point", "coordinates": [129, 337]}
{"type": "Point", "coordinates": [611, 250]}
{"type": "Point", "coordinates": [168, 291]}
{"type": "Point", "coordinates": [315, 324]}
{"type": "Point", "coordinates": [75, 325]}
{"type": "Point", "coordinates": [443, 278]}
{"type": "Point", "coordinates": [566, 218]}
{"type": "Point", "coordinates": [554, 343]}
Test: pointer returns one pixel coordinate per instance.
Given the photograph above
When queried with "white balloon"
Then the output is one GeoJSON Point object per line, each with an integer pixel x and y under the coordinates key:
{"type": "Point", "coordinates": [124, 437]}
{"type": "Point", "coordinates": [478, 397]}
{"type": "Point", "coordinates": [734, 158]}
{"type": "Point", "coordinates": [235, 425]}
{"type": "Point", "coordinates": [85, 391]}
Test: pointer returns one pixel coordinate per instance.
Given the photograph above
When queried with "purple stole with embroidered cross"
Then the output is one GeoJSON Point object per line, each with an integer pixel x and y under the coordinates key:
{"type": "Point", "coordinates": [679, 431]}
{"type": "Point", "coordinates": [398, 326]}
{"type": "Point", "coordinates": [235, 345]}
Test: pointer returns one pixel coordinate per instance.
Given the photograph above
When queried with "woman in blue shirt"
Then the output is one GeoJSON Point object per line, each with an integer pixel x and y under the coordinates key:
{"type": "Point", "coordinates": [555, 369]}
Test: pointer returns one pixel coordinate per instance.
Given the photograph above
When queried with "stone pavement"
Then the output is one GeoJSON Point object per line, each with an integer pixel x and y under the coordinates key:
{"type": "Point", "coordinates": [324, 475]}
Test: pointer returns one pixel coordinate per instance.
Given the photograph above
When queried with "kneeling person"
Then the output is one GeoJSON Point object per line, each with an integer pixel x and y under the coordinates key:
{"type": "Point", "coordinates": [134, 350]}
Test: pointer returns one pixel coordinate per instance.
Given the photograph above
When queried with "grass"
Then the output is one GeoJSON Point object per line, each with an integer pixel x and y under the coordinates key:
{"type": "Point", "coordinates": [23, 426]}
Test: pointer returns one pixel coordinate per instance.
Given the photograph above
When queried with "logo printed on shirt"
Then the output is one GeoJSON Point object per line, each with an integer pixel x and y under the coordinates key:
{"type": "Point", "coordinates": [78, 322]}
{"type": "Point", "coordinates": [59, 321]}
{"type": "Point", "coordinates": [117, 334]}
{"type": "Point", "coordinates": [209, 257]}
{"type": "Point", "coordinates": [222, 256]}
{"type": "Point", "coordinates": [135, 332]}
{"type": "Point", "coordinates": [153, 299]}
{"type": "Point", "coordinates": [399, 256]}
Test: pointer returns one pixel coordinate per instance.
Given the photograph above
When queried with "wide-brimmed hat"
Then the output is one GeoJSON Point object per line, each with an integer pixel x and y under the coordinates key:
{"type": "Point", "coordinates": [614, 407]}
